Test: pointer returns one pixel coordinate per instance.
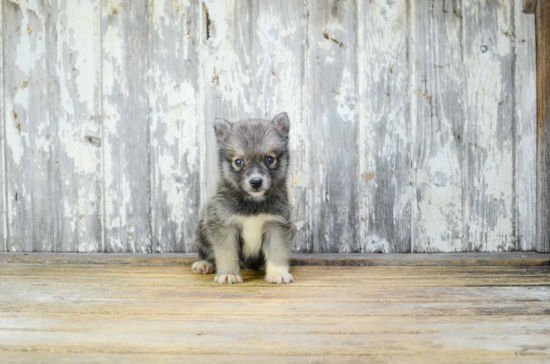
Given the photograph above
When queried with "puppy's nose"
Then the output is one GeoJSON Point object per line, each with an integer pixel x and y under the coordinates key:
{"type": "Point", "coordinates": [256, 182]}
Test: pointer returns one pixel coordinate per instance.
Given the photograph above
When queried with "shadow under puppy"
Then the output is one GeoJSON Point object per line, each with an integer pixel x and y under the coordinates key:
{"type": "Point", "coordinates": [246, 224]}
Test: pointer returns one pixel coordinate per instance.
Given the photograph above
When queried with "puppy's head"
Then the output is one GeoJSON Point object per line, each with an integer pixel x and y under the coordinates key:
{"type": "Point", "coordinates": [254, 153]}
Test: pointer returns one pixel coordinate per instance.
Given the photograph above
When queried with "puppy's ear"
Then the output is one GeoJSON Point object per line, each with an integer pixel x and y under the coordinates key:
{"type": "Point", "coordinates": [281, 124]}
{"type": "Point", "coordinates": [222, 127]}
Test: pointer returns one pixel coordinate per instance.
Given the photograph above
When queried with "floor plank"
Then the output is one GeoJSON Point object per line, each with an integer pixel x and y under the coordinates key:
{"type": "Point", "coordinates": [60, 313]}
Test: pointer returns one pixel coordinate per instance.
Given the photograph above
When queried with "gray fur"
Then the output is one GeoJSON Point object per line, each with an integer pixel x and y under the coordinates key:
{"type": "Point", "coordinates": [219, 234]}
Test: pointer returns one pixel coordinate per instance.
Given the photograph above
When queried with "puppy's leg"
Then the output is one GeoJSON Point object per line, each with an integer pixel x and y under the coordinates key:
{"type": "Point", "coordinates": [276, 248]}
{"type": "Point", "coordinates": [225, 242]}
{"type": "Point", "coordinates": [206, 255]}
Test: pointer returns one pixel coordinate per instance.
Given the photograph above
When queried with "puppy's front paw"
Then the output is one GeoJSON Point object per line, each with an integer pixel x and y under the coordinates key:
{"type": "Point", "coordinates": [280, 278]}
{"type": "Point", "coordinates": [277, 274]}
{"type": "Point", "coordinates": [228, 278]}
{"type": "Point", "coordinates": [203, 267]}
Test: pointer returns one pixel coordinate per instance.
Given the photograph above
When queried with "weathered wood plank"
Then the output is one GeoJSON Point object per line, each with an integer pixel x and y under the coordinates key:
{"type": "Point", "coordinates": [489, 126]}
{"type": "Point", "coordinates": [274, 324]}
{"type": "Point", "coordinates": [3, 181]}
{"type": "Point", "coordinates": [31, 205]}
{"type": "Point", "coordinates": [126, 129]}
{"type": "Point", "coordinates": [334, 178]}
{"type": "Point", "coordinates": [76, 126]}
{"type": "Point", "coordinates": [252, 339]}
{"type": "Point", "coordinates": [337, 312]}
{"type": "Point", "coordinates": [525, 114]}
{"type": "Point", "coordinates": [20, 289]}
{"type": "Point", "coordinates": [438, 126]}
{"type": "Point", "coordinates": [461, 346]}
{"type": "Point", "coordinates": [175, 117]}
{"type": "Point", "coordinates": [374, 357]}
{"type": "Point", "coordinates": [267, 308]}
{"type": "Point", "coordinates": [140, 102]}
{"type": "Point", "coordinates": [384, 187]}
{"type": "Point", "coordinates": [111, 277]}
{"type": "Point", "coordinates": [253, 67]}
{"type": "Point", "coordinates": [543, 117]}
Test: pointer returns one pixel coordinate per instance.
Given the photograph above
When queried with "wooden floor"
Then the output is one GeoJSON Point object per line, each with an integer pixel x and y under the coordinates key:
{"type": "Point", "coordinates": [116, 313]}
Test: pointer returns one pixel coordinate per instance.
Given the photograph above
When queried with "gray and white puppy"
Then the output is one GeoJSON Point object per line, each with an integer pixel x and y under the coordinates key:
{"type": "Point", "coordinates": [246, 223]}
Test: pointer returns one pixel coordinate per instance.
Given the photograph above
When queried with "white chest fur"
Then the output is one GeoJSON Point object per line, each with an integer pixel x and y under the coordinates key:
{"type": "Point", "coordinates": [252, 232]}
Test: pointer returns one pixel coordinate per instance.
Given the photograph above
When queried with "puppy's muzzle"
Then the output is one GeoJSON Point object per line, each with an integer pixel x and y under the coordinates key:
{"type": "Point", "coordinates": [256, 182]}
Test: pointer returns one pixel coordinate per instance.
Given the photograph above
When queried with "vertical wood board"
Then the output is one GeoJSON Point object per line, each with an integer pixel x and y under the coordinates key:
{"type": "Point", "coordinates": [384, 188]}
{"type": "Point", "coordinates": [489, 127]}
{"type": "Point", "coordinates": [174, 140]}
{"type": "Point", "coordinates": [525, 115]}
{"type": "Point", "coordinates": [3, 182]}
{"type": "Point", "coordinates": [76, 126]}
{"type": "Point", "coordinates": [543, 125]}
{"type": "Point", "coordinates": [334, 124]}
{"type": "Point", "coordinates": [437, 125]}
{"type": "Point", "coordinates": [31, 206]}
{"type": "Point", "coordinates": [126, 129]}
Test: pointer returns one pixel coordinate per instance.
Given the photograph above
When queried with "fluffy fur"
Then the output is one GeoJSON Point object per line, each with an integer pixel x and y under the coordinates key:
{"type": "Point", "coordinates": [246, 223]}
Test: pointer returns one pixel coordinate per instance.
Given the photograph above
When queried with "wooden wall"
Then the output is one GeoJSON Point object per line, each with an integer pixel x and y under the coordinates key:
{"type": "Point", "coordinates": [413, 122]}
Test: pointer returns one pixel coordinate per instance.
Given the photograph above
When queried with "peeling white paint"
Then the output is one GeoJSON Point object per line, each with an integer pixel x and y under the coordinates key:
{"type": "Point", "coordinates": [381, 152]}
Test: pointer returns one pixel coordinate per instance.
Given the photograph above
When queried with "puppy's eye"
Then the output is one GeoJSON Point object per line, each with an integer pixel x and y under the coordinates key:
{"type": "Point", "coordinates": [269, 160]}
{"type": "Point", "coordinates": [239, 163]}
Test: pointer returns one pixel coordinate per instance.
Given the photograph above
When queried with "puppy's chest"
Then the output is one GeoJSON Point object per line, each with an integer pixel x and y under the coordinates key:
{"type": "Point", "coordinates": [252, 232]}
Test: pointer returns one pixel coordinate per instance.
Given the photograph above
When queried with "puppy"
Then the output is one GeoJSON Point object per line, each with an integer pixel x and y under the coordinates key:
{"type": "Point", "coordinates": [246, 223]}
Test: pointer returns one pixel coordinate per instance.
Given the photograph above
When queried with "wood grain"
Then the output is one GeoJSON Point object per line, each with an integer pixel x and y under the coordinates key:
{"type": "Point", "coordinates": [331, 82]}
{"type": "Point", "coordinates": [126, 126]}
{"type": "Point", "coordinates": [342, 313]}
{"type": "Point", "coordinates": [488, 127]}
{"type": "Point", "coordinates": [76, 126]}
{"type": "Point", "coordinates": [413, 123]}
{"type": "Point", "coordinates": [472, 356]}
{"type": "Point", "coordinates": [543, 117]}
{"type": "Point", "coordinates": [384, 188]}
{"type": "Point", "coordinates": [525, 114]}
{"type": "Point", "coordinates": [30, 158]}
{"type": "Point", "coordinates": [438, 115]}
{"type": "Point", "coordinates": [175, 117]}
{"type": "Point", "coordinates": [3, 181]}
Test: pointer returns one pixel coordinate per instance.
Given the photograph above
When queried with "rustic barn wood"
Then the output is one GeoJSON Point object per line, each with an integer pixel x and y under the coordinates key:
{"type": "Point", "coordinates": [331, 71]}
{"type": "Point", "coordinates": [413, 123]}
{"type": "Point", "coordinates": [525, 111]}
{"type": "Point", "coordinates": [121, 313]}
{"type": "Point", "coordinates": [76, 127]}
{"type": "Point", "coordinates": [29, 132]}
{"type": "Point", "coordinates": [488, 129]}
{"type": "Point", "coordinates": [385, 184]}
{"type": "Point", "coordinates": [3, 181]}
{"type": "Point", "coordinates": [437, 128]}
{"type": "Point", "coordinates": [125, 50]}
{"type": "Point", "coordinates": [174, 99]}
{"type": "Point", "coordinates": [543, 141]}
